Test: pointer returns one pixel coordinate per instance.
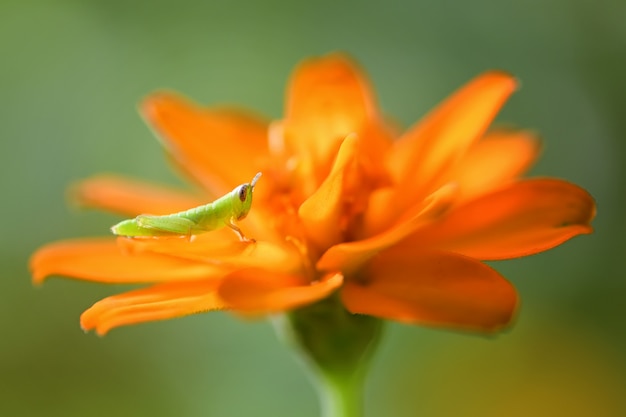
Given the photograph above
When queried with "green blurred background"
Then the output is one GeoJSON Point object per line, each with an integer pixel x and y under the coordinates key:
{"type": "Point", "coordinates": [71, 73]}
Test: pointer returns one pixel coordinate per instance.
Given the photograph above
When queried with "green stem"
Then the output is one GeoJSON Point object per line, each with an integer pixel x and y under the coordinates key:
{"type": "Point", "coordinates": [337, 346]}
{"type": "Point", "coordinates": [341, 397]}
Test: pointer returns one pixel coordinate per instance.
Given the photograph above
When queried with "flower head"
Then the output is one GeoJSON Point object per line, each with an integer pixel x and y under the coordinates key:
{"type": "Point", "coordinates": [396, 224]}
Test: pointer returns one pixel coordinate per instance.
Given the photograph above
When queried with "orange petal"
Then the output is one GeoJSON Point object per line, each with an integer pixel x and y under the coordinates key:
{"type": "Point", "coordinates": [350, 256]}
{"type": "Point", "coordinates": [131, 197]}
{"type": "Point", "coordinates": [495, 160]}
{"type": "Point", "coordinates": [446, 133]}
{"type": "Point", "coordinates": [327, 100]}
{"type": "Point", "coordinates": [221, 248]}
{"type": "Point", "coordinates": [158, 302]}
{"type": "Point", "coordinates": [432, 288]}
{"type": "Point", "coordinates": [522, 219]}
{"type": "Point", "coordinates": [102, 260]}
{"type": "Point", "coordinates": [258, 291]}
{"type": "Point", "coordinates": [425, 153]}
{"type": "Point", "coordinates": [219, 148]}
{"type": "Point", "coordinates": [321, 213]}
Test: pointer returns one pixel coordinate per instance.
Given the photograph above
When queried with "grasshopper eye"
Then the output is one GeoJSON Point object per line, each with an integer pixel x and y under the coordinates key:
{"type": "Point", "coordinates": [243, 192]}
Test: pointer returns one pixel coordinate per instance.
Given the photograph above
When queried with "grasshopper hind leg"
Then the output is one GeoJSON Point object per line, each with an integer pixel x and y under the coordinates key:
{"type": "Point", "coordinates": [176, 226]}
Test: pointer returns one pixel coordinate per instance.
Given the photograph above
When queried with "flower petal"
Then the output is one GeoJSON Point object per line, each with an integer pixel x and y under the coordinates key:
{"type": "Point", "coordinates": [350, 256]}
{"type": "Point", "coordinates": [131, 197]}
{"type": "Point", "coordinates": [192, 135]}
{"type": "Point", "coordinates": [327, 99]}
{"type": "Point", "coordinates": [102, 260]}
{"type": "Point", "coordinates": [522, 219]}
{"type": "Point", "coordinates": [498, 158]}
{"type": "Point", "coordinates": [220, 248]}
{"type": "Point", "coordinates": [259, 291]}
{"type": "Point", "coordinates": [322, 212]}
{"type": "Point", "coordinates": [158, 302]}
{"type": "Point", "coordinates": [446, 133]}
{"type": "Point", "coordinates": [433, 288]}
{"type": "Point", "coordinates": [424, 154]}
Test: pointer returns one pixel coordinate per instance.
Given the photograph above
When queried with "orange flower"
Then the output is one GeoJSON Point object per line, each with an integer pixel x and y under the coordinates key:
{"type": "Point", "coordinates": [397, 226]}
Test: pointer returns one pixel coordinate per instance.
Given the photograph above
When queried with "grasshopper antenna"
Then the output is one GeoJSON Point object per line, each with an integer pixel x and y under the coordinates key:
{"type": "Point", "coordinates": [255, 179]}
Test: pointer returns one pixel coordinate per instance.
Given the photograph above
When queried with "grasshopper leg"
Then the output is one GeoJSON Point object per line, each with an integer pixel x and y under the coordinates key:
{"type": "Point", "coordinates": [174, 225]}
{"type": "Point", "coordinates": [237, 230]}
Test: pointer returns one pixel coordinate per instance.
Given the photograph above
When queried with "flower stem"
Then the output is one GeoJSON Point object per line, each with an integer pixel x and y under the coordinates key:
{"type": "Point", "coordinates": [341, 397]}
{"type": "Point", "coordinates": [337, 346]}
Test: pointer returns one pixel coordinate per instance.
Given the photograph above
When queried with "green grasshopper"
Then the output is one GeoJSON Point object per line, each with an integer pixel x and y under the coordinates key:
{"type": "Point", "coordinates": [222, 212]}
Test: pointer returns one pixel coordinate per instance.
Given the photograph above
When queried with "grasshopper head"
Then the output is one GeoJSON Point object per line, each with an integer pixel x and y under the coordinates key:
{"type": "Point", "coordinates": [242, 198]}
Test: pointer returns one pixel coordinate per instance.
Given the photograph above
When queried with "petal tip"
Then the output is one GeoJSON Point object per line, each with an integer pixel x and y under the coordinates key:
{"type": "Point", "coordinates": [503, 77]}
{"type": "Point", "coordinates": [153, 104]}
{"type": "Point", "coordinates": [87, 324]}
{"type": "Point", "coordinates": [38, 279]}
{"type": "Point", "coordinates": [34, 266]}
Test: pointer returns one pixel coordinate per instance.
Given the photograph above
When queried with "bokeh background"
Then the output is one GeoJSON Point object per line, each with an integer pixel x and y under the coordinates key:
{"type": "Point", "coordinates": [71, 73]}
